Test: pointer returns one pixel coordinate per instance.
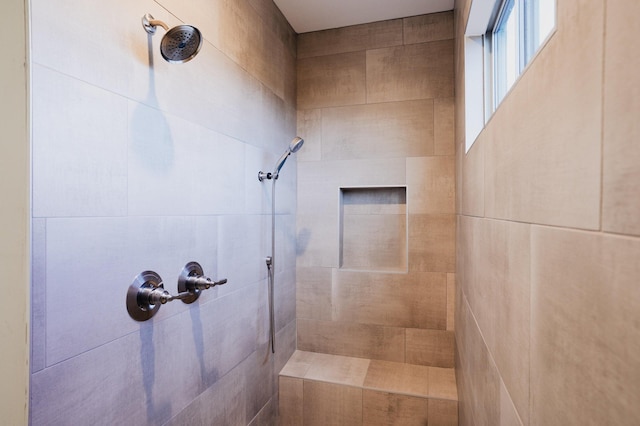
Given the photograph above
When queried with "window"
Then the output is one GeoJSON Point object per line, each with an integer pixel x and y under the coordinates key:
{"type": "Point", "coordinates": [501, 38]}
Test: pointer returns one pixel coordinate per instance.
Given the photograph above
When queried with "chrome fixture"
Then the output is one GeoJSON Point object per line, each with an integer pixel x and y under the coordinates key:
{"type": "Point", "coordinates": [146, 293]}
{"type": "Point", "coordinates": [180, 44]}
{"type": "Point", "coordinates": [294, 146]}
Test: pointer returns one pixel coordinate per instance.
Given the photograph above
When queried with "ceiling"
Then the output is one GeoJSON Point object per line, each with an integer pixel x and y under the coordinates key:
{"type": "Point", "coordinates": [314, 15]}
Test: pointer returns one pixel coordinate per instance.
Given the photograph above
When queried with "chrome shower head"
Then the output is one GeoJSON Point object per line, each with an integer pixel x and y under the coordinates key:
{"type": "Point", "coordinates": [180, 44]}
{"type": "Point", "coordinates": [294, 146]}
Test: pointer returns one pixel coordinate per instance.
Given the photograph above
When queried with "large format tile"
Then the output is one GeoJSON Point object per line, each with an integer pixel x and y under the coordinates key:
{"type": "Point", "coordinates": [444, 126]}
{"type": "Point", "coordinates": [382, 408]}
{"type": "Point", "coordinates": [317, 243]}
{"type": "Point", "coordinates": [431, 185]}
{"type": "Point", "coordinates": [290, 396]}
{"type": "Point", "coordinates": [430, 347]}
{"type": "Point", "coordinates": [338, 369]}
{"type": "Point", "coordinates": [621, 155]}
{"type": "Point", "coordinates": [313, 293]}
{"type": "Point", "coordinates": [398, 377]}
{"type": "Point", "coordinates": [79, 148]}
{"type": "Point", "coordinates": [443, 413]}
{"type": "Point", "coordinates": [358, 340]}
{"type": "Point", "coordinates": [391, 299]}
{"type": "Point", "coordinates": [331, 404]}
{"type": "Point", "coordinates": [543, 162]}
{"type": "Point", "coordinates": [432, 243]}
{"type": "Point", "coordinates": [331, 80]}
{"type": "Point", "coordinates": [585, 334]}
{"type": "Point", "coordinates": [384, 130]}
{"type": "Point", "coordinates": [430, 27]}
{"type": "Point", "coordinates": [350, 39]}
{"type": "Point", "coordinates": [417, 71]}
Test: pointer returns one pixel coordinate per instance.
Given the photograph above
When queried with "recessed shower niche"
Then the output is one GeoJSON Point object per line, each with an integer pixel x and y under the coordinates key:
{"type": "Point", "coordinates": [373, 229]}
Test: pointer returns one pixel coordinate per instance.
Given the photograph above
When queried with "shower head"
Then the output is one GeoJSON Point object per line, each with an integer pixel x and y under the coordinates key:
{"type": "Point", "coordinates": [180, 44]}
{"type": "Point", "coordinates": [294, 146]}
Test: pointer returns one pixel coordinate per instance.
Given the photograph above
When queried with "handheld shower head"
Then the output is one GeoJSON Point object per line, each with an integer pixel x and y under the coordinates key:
{"type": "Point", "coordinates": [294, 146]}
{"type": "Point", "coordinates": [180, 44]}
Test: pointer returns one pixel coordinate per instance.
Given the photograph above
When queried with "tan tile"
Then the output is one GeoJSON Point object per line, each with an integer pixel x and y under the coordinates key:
{"type": "Point", "coordinates": [431, 27]}
{"type": "Point", "coordinates": [471, 184]}
{"type": "Point", "coordinates": [496, 259]}
{"type": "Point", "coordinates": [444, 127]}
{"type": "Point", "coordinates": [317, 243]}
{"type": "Point", "coordinates": [451, 301]}
{"type": "Point", "coordinates": [290, 401]}
{"type": "Point", "coordinates": [382, 250]}
{"type": "Point", "coordinates": [298, 364]}
{"type": "Point", "coordinates": [374, 200]}
{"type": "Point", "coordinates": [381, 130]}
{"type": "Point", "coordinates": [508, 412]}
{"type": "Point", "coordinates": [381, 408]}
{"type": "Point", "coordinates": [276, 21]}
{"type": "Point", "coordinates": [313, 293]}
{"type": "Point", "coordinates": [358, 340]}
{"type": "Point", "coordinates": [430, 347]}
{"type": "Point", "coordinates": [331, 404]}
{"type": "Point", "coordinates": [350, 39]}
{"type": "Point", "coordinates": [431, 185]}
{"type": "Point", "coordinates": [585, 333]}
{"type": "Point", "coordinates": [621, 167]}
{"type": "Point", "coordinates": [331, 80]}
{"type": "Point", "coordinates": [443, 413]}
{"type": "Point", "coordinates": [398, 300]}
{"type": "Point", "coordinates": [338, 369]}
{"type": "Point", "coordinates": [432, 243]}
{"type": "Point", "coordinates": [398, 377]}
{"type": "Point", "coordinates": [479, 391]}
{"type": "Point", "coordinates": [442, 383]}
{"type": "Point", "coordinates": [543, 163]}
{"type": "Point", "coordinates": [417, 71]}
{"type": "Point", "coordinates": [309, 127]}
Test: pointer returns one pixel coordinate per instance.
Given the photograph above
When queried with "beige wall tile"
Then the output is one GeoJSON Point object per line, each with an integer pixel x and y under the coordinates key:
{"type": "Point", "coordinates": [330, 404]}
{"type": "Point", "coordinates": [543, 163]}
{"type": "Point", "coordinates": [479, 387]}
{"type": "Point", "coordinates": [374, 242]}
{"type": "Point", "coordinates": [398, 378]}
{"type": "Point", "coordinates": [430, 347]}
{"type": "Point", "coordinates": [331, 80]}
{"type": "Point", "coordinates": [350, 39]}
{"type": "Point", "coordinates": [417, 71]}
{"type": "Point", "coordinates": [451, 301]}
{"type": "Point", "coordinates": [313, 293]}
{"type": "Point", "coordinates": [497, 274]}
{"type": "Point", "coordinates": [290, 400]}
{"type": "Point", "coordinates": [358, 340]}
{"type": "Point", "coordinates": [444, 126]}
{"type": "Point", "coordinates": [398, 300]}
{"type": "Point", "coordinates": [381, 409]}
{"type": "Point", "coordinates": [508, 412]}
{"type": "Point", "coordinates": [431, 27]}
{"type": "Point", "coordinates": [621, 166]}
{"type": "Point", "coordinates": [432, 243]}
{"type": "Point", "coordinates": [391, 129]}
{"type": "Point", "coordinates": [309, 128]}
{"type": "Point", "coordinates": [338, 369]}
{"type": "Point", "coordinates": [585, 333]}
{"type": "Point", "coordinates": [442, 383]}
{"type": "Point", "coordinates": [317, 243]}
{"type": "Point", "coordinates": [298, 364]}
{"type": "Point", "coordinates": [443, 413]}
{"type": "Point", "coordinates": [471, 184]}
{"type": "Point", "coordinates": [431, 185]}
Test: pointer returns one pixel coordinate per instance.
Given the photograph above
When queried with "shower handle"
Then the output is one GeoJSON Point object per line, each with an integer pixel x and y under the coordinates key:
{"type": "Point", "coordinates": [202, 283]}
{"type": "Point", "coordinates": [192, 281]}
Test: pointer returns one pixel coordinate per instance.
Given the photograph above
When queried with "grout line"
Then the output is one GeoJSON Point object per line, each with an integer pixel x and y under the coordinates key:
{"type": "Point", "coordinates": [602, 117]}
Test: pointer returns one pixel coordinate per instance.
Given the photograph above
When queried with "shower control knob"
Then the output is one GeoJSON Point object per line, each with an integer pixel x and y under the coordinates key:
{"type": "Point", "coordinates": [193, 281]}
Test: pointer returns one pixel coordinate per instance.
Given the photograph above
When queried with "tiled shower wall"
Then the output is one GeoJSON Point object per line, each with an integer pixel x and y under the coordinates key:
{"type": "Point", "coordinates": [547, 318]}
{"type": "Point", "coordinates": [375, 105]}
{"type": "Point", "coordinates": [143, 165]}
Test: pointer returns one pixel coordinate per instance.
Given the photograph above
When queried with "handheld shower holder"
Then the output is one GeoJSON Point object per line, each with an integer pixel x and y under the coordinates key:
{"type": "Point", "coordinates": [146, 293]}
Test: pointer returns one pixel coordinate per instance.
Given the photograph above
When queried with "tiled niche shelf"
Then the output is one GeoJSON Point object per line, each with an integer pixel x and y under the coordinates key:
{"type": "Point", "coordinates": [373, 229]}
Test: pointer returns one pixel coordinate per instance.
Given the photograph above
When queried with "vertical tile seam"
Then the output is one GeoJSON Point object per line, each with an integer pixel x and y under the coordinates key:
{"type": "Point", "coordinates": [602, 113]}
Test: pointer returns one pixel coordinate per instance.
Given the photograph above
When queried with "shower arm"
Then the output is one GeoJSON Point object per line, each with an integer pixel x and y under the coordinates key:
{"type": "Point", "coordinates": [150, 24]}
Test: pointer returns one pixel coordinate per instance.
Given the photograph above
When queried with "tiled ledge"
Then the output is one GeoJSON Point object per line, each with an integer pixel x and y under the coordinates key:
{"type": "Point", "coordinates": [317, 388]}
